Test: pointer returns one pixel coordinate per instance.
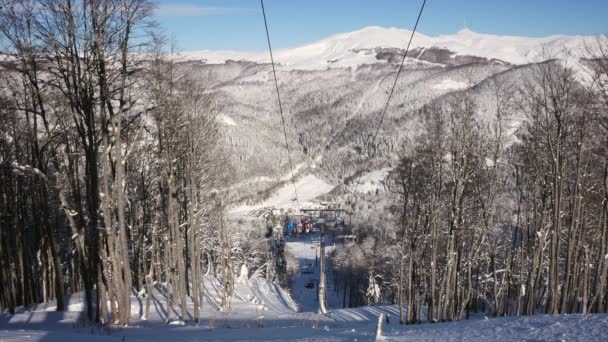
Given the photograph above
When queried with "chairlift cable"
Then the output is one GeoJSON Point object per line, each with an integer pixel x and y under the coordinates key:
{"type": "Point", "coordinates": [276, 84]}
{"type": "Point", "coordinates": [390, 95]}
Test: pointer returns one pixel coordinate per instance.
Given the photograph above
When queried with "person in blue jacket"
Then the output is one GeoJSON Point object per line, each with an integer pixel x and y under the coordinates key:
{"type": "Point", "coordinates": [290, 227]}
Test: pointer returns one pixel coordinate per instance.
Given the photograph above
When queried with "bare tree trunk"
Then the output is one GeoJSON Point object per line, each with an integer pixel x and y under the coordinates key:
{"type": "Point", "coordinates": [322, 288]}
{"type": "Point", "coordinates": [192, 224]}
{"type": "Point", "coordinates": [150, 275]}
{"type": "Point", "coordinates": [124, 266]}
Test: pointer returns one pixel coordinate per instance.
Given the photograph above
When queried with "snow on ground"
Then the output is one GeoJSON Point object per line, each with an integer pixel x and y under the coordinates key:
{"type": "Point", "coordinates": [357, 324]}
{"type": "Point", "coordinates": [353, 48]}
{"type": "Point", "coordinates": [307, 255]}
{"type": "Point", "coordinates": [249, 181]}
{"type": "Point", "coordinates": [525, 328]}
{"type": "Point", "coordinates": [252, 299]}
{"type": "Point", "coordinates": [249, 295]}
{"type": "Point", "coordinates": [448, 84]}
{"type": "Point", "coordinates": [282, 322]}
{"type": "Point", "coordinates": [371, 181]}
{"type": "Point", "coordinates": [262, 76]}
{"type": "Point", "coordinates": [306, 250]}
{"type": "Point", "coordinates": [226, 120]}
{"type": "Point", "coordinates": [308, 188]}
{"type": "Point", "coordinates": [288, 175]}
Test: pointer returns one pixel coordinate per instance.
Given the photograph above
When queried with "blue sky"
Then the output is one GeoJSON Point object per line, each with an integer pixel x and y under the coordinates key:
{"type": "Point", "coordinates": [238, 24]}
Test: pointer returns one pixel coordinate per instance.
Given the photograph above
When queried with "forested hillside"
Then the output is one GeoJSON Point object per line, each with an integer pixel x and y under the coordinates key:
{"type": "Point", "coordinates": [463, 177]}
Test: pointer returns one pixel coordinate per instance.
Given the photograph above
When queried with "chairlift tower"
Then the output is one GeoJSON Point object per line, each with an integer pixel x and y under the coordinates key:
{"type": "Point", "coordinates": [322, 288]}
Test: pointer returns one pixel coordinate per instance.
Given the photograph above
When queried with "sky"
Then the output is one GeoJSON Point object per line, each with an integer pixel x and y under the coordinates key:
{"type": "Point", "coordinates": [238, 24]}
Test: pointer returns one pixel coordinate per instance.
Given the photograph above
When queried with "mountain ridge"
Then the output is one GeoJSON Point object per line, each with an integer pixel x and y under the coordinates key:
{"type": "Point", "coordinates": [334, 90]}
{"type": "Point", "coordinates": [351, 49]}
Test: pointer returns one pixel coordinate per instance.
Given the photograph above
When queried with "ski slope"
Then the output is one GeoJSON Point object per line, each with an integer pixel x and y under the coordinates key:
{"type": "Point", "coordinates": [357, 324]}
{"type": "Point", "coordinates": [308, 188]}
{"type": "Point", "coordinates": [262, 311]}
{"type": "Point", "coordinates": [370, 181]}
{"type": "Point", "coordinates": [306, 250]}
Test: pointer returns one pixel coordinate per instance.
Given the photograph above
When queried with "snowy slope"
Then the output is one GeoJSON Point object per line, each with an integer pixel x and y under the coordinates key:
{"type": "Point", "coordinates": [308, 188]}
{"type": "Point", "coordinates": [370, 181]}
{"type": "Point", "coordinates": [353, 48]}
{"type": "Point", "coordinates": [252, 300]}
{"type": "Point", "coordinates": [330, 110]}
{"type": "Point", "coordinates": [249, 295]}
{"type": "Point", "coordinates": [340, 325]}
{"type": "Point", "coordinates": [282, 321]}
{"type": "Point", "coordinates": [306, 250]}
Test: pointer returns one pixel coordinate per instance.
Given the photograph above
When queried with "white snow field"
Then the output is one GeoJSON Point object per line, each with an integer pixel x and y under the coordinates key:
{"type": "Point", "coordinates": [262, 311]}
{"type": "Point", "coordinates": [226, 120]}
{"type": "Point", "coordinates": [371, 181]}
{"type": "Point", "coordinates": [340, 325]}
{"type": "Point", "coordinates": [450, 85]}
{"type": "Point", "coordinates": [308, 188]}
{"type": "Point", "coordinates": [352, 48]}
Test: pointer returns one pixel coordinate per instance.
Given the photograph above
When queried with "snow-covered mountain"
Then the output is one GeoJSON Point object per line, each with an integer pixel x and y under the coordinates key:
{"type": "Point", "coordinates": [362, 47]}
{"type": "Point", "coordinates": [333, 91]}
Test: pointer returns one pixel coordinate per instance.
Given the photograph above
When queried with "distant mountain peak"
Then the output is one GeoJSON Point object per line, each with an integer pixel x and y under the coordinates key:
{"type": "Point", "coordinates": [346, 49]}
{"type": "Point", "coordinates": [466, 31]}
